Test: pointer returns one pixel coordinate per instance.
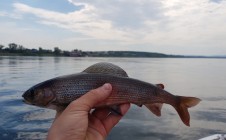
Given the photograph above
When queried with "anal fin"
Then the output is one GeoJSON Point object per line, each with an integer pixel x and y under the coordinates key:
{"type": "Point", "coordinates": [155, 108]}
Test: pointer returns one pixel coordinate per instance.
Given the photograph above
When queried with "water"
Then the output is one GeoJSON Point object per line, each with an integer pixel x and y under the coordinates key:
{"type": "Point", "coordinates": [203, 78]}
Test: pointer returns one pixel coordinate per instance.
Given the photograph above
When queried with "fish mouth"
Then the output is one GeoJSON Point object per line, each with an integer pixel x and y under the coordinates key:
{"type": "Point", "coordinates": [27, 102]}
{"type": "Point", "coordinates": [48, 104]}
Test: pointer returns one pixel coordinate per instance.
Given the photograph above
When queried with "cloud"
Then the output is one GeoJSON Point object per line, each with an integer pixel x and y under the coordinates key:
{"type": "Point", "coordinates": [196, 21]}
{"type": "Point", "coordinates": [85, 21]}
{"type": "Point", "coordinates": [126, 14]}
{"type": "Point", "coordinates": [2, 13]}
{"type": "Point", "coordinates": [216, 1]}
{"type": "Point", "coordinates": [10, 15]}
{"type": "Point", "coordinates": [171, 26]}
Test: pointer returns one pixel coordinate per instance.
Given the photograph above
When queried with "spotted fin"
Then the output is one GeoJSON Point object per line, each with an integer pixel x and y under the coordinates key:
{"type": "Point", "coordinates": [106, 68]}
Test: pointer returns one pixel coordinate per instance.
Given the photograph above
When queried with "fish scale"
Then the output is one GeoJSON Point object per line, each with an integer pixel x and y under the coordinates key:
{"type": "Point", "coordinates": [61, 91]}
{"type": "Point", "coordinates": [84, 82]}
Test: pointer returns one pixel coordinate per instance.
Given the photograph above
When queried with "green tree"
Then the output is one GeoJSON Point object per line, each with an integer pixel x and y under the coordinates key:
{"type": "Point", "coordinates": [20, 47]}
{"type": "Point", "coordinates": [57, 51]}
{"type": "Point", "coordinates": [12, 47]}
{"type": "Point", "coordinates": [40, 49]}
{"type": "Point", "coordinates": [66, 53]}
{"type": "Point", "coordinates": [1, 47]}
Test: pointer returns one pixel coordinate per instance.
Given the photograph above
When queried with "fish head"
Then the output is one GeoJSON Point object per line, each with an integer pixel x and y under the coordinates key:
{"type": "Point", "coordinates": [39, 95]}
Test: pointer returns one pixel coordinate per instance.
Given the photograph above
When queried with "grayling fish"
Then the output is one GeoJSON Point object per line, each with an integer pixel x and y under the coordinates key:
{"type": "Point", "coordinates": [58, 92]}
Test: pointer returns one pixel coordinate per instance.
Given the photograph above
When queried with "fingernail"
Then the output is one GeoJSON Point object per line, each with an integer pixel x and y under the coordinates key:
{"type": "Point", "coordinates": [107, 86]}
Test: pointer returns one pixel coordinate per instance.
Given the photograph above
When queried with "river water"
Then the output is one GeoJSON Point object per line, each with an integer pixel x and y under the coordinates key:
{"type": "Point", "coordinates": [203, 78]}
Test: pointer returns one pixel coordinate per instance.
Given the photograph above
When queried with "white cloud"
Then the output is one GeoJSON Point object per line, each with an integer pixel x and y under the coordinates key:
{"type": "Point", "coordinates": [85, 21]}
{"type": "Point", "coordinates": [11, 15]}
{"type": "Point", "coordinates": [172, 26]}
{"type": "Point", "coordinates": [195, 21]}
{"type": "Point", "coordinates": [3, 13]}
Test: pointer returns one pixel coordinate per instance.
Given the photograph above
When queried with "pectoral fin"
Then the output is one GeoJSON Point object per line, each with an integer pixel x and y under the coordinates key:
{"type": "Point", "coordinates": [155, 108]}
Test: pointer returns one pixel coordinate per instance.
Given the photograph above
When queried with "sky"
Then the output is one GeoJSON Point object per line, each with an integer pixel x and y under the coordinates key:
{"type": "Point", "coordinates": [186, 27]}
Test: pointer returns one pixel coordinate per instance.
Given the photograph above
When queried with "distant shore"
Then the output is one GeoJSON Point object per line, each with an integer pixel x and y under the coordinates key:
{"type": "Point", "coordinates": [18, 50]}
{"type": "Point", "coordinates": [128, 54]}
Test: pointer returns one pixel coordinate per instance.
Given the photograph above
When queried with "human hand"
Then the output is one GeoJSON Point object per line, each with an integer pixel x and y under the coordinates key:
{"type": "Point", "coordinates": [77, 123]}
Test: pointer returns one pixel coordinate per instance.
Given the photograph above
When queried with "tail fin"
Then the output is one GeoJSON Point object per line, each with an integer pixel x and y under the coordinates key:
{"type": "Point", "coordinates": [183, 103]}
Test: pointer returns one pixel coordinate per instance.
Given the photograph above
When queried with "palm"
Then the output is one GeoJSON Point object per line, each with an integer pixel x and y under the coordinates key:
{"type": "Point", "coordinates": [100, 122]}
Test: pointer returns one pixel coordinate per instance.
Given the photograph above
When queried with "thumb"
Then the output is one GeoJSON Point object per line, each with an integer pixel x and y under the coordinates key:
{"type": "Point", "coordinates": [90, 99]}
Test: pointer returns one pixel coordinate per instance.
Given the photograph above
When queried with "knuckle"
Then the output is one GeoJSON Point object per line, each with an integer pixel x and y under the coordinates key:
{"type": "Point", "coordinates": [80, 105]}
{"type": "Point", "coordinates": [84, 107]}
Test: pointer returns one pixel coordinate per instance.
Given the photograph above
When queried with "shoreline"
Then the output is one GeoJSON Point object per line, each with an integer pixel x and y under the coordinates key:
{"type": "Point", "coordinates": [18, 54]}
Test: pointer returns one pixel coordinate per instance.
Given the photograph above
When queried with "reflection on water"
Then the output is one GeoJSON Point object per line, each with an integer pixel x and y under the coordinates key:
{"type": "Point", "coordinates": [204, 78]}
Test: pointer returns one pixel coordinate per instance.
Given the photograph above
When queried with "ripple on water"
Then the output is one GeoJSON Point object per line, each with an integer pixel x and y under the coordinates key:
{"type": "Point", "coordinates": [194, 77]}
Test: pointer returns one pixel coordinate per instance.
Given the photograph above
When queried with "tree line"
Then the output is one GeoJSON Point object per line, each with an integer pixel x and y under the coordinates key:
{"type": "Point", "coordinates": [16, 49]}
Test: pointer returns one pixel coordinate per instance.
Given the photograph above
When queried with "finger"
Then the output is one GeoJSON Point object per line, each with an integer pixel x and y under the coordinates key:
{"type": "Point", "coordinates": [101, 113]}
{"type": "Point", "coordinates": [90, 99]}
{"type": "Point", "coordinates": [112, 119]}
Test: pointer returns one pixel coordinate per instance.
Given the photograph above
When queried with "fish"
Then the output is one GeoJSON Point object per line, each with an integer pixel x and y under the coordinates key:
{"type": "Point", "coordinates": [57, 93]}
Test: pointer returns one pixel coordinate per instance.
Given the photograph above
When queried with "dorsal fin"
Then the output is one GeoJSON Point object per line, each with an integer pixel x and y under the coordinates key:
{"type": "Point", "coordinates": [106, 68]}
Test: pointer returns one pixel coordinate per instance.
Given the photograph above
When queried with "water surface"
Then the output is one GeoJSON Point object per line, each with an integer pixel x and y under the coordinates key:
{"type": "Point", "coordinates": [204, 78]}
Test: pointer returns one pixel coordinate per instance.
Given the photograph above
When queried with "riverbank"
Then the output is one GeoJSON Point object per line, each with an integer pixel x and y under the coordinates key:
{"type": "Point", "coordinates": [126, 54]}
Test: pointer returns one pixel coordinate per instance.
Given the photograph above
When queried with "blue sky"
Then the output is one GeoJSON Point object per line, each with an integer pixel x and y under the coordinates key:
{"type": "Point", "coordinates": [165, 26]}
